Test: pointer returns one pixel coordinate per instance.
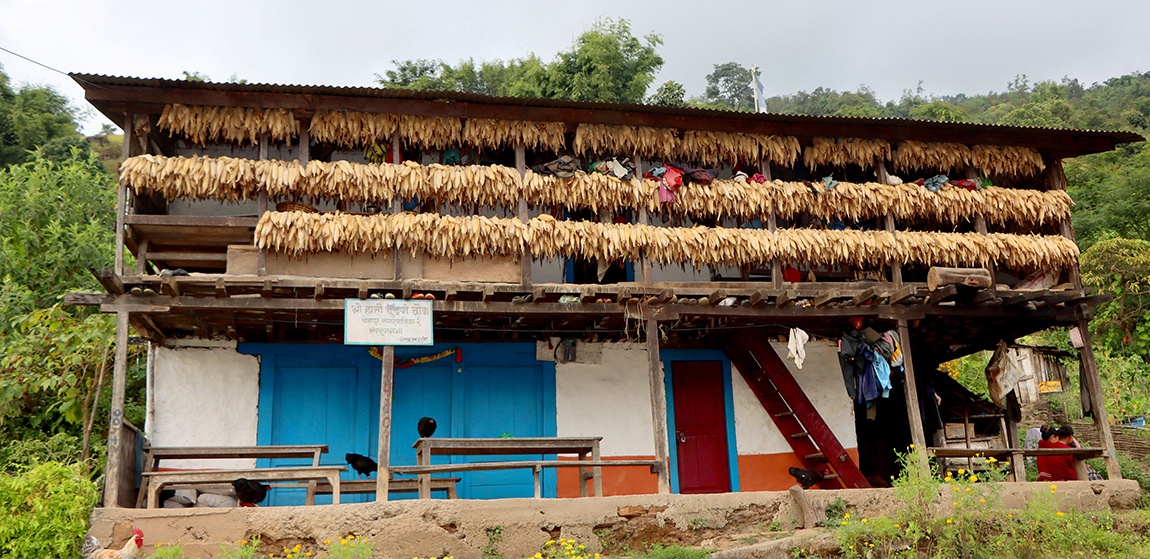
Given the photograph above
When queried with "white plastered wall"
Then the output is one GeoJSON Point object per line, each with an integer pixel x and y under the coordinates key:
{"type": "Point", "coordinates": [611, 399]}
{"type": "Point", "coordinates": [820, 378]}
{"type": "Point", "coordinates": [205, 397]}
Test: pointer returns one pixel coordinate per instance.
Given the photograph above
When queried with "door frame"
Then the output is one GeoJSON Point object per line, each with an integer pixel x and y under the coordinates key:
{"type": "Point", "coordinates": [669, 356]}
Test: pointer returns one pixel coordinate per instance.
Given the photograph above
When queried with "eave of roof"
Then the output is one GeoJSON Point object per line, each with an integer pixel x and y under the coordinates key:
{"type": "Point", "coordinates": [115, 95]}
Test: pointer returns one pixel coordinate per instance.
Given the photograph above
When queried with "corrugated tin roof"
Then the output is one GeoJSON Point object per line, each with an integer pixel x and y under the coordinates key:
{"type": "Point", "coordinates": [95, 80]}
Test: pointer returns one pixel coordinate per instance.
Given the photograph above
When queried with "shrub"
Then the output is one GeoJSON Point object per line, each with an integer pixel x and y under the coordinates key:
{"type": "Point", "coordinates": [44, 512]}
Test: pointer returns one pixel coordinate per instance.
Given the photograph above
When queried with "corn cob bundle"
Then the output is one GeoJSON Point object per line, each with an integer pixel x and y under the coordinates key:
{"type": "Point", "coordinates": [781, 150]}
{"type": "Point", "coordinates": [590, 190]}
{"type": "Point", "coordinates": [913, 156]}
{"type": "Point", "coordinates": [491, 133]}
{"type": "Point", "coordinates": [712, 148]}
{"type": "Point", "coordinates": [201, 124]}
{"type": "Point", "coordinates": [659, 143]}
{"type": "Point", "coordinates": [722, 198]}
{"type": "Point", "coordinates": [841, 151]}
{"type": "Point", "coordinates": [546, 237]}
{"type": "Point", "coordinates": [352, 129]}
{"type": "Point", "coordinates": [1006, 160]}
{"type": "Point", "coordinates": [195, 178]}
{"type": "Point", "coordinates": [433, 132]}
{"type": "Point", "coordinates": [473, 184]}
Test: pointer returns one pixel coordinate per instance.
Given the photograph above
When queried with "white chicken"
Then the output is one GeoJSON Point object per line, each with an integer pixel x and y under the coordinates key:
{"type": "Point", "coordinates": [131, 550]}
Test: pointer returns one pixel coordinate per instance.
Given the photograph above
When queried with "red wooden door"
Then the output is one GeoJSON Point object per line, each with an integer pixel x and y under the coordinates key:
{"type": "Point", "coordinates": [700, 426]}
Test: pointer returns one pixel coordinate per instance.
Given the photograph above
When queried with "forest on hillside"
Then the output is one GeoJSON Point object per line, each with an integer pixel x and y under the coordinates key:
{"type": "Point", "coordinates": [56, 210]}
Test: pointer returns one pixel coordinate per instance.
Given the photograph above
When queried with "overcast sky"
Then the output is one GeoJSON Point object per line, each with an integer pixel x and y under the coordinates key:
{"type": "Point", "coordinates": [969, 47]}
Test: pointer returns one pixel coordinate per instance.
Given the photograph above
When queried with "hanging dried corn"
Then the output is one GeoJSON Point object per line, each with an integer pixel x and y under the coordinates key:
{"type": "Point", "coordinates": [494, 134]}
{"type": "Point", "coordinates": [201, 124]}
{"type": "Point", "coordinates": [839, 152]}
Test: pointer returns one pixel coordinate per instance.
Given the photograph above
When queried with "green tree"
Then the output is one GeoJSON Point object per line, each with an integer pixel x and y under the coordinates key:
{"type": "Point", "coordinates": [730, 85]}
{"type": "Point", "coordinates": [671, 94]}
{"type": "Point", "coordinates": [33, 116]}
{"type": "Point", "coordinates": [56, 222]}
{"type": "Point", "coordinates": [607, 63]}
{"type": "Point", "coordinates": [939, 111]}
{"type": "Point", "coordinates": [1121, 267]}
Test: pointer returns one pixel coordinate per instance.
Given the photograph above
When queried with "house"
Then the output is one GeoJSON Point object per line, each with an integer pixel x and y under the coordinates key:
{"type": "Point", "coordinates": [568, 303]}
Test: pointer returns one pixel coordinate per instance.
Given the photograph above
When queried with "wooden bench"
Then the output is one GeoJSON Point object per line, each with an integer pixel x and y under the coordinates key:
{"type": "Point", "coordinates": [155, 454]}
{"type": "Point", "coordinates": [360, 486]}
{"type": "Point", "coordinates": [157, 480]}
{"type": "Point", "coordinates": [1081, 455]}
{"type": "Point", "coordinates": [536, 466]}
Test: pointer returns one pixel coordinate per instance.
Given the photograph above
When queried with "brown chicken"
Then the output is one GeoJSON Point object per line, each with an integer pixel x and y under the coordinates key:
{"type": "Point", "coordinates": [131, 550]}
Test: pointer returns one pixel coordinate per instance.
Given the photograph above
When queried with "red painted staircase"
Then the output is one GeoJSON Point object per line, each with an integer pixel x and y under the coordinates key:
{"type": "Point", "coordinates": [794, 414]}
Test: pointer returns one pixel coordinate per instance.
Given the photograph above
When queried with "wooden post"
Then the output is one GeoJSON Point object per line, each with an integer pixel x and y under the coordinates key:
{"type": "Point", "coordinates": [1056, 180]}
{"type": "Point", "coordinates": [644, 219]}
{"type": "Point", "coordinates": [122, 195]}
{"type": "Point", "coordinates": [658, 405]}
{"type": "Point", "coordinates": [116, 418]}
{"type": "Point", "coordinates": [396, 207]}
{"type": "Point", "coordinates": [772, 226]}
{"type": "Point", "coordinates": [980, 227]}
{"type": "Point", "coordinates": [1097, 401]}
{"type": "Point", "coordinates": [524, 254]}
{"type": "Point", "coordinates": [384, 451]}
{"type": "Point", "coordinates": [142, 257]}
{"type": "Point", "coordinates": [304, 142]}
{"type": "Point", "coordinates": [262, 208]}
{"type": "Point", "coordinates": [895, 267]}
{"type": "Point", "coordinates": [913, 413]}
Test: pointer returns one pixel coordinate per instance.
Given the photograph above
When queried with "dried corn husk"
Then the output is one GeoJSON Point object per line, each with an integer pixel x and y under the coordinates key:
{"type": "Point", "coordinates": [352, 129]}
{"type": "Point", "coordinates": [842, 151]}
{"type": "Point", "coordinates": [200, 125]}
{"type": "Point", "coordinates": [232, 179]}
{"type": "Point", "coordinates": [1006, 160]}
{"type": "Point", "coordinates": [658, 143]}
{"type": "Point", "coordinates": [546, 237]}
{"type": "Point", "coordinates": [914, 156]}
{"type": "Point", "coordinates": [491, 133]}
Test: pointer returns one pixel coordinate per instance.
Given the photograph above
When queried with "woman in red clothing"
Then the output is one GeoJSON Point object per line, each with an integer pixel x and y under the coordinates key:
{"type": "Point", "coordinates": [1056, 468]}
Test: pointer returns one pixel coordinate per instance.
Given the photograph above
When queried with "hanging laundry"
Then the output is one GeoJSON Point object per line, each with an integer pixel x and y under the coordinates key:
{"type": "Point", "coordinates": [795, 346]}
{"type": "Point", "coordinates": [758, 177]}
{"type": "Point", "coordinates": [849, 346]}
{"type": "Point", "coordinates": [740, 177]}
{"type": "Point", "coordinates": [934, 183]}
{"type": "Point", "coordinates": [866, 383]}
{"type": "Point", "coordinates": [830, 182]}
{"type": "Point", "coordinates": [882, 374]}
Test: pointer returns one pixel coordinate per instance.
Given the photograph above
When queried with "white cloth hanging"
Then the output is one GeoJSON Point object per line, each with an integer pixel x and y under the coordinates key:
{"type": "Point", "coordinates": [796, 351]}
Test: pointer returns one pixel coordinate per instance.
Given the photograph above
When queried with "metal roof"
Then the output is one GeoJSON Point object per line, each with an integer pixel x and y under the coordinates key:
{"type": "Point", "coordinates": [93, 83]}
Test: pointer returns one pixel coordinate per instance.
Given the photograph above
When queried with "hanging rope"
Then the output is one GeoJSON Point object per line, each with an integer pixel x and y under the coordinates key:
{"type": "Point", "coordinates": [405, 363]}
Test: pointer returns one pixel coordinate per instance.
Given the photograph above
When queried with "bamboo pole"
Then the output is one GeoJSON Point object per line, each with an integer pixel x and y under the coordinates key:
{"type": "Point", "coordinates": [644, 219]}
{"type": "Point", "coordinates": [524, 254]}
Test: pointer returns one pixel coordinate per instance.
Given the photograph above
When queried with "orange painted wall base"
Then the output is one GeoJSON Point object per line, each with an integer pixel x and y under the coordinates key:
{"type": "Point", "coordinates": [757, 472]}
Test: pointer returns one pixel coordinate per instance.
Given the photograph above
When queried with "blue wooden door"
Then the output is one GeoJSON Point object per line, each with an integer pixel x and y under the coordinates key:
{"type": "Point", "coordinates": [500, 402]}
{"type": "Point", "coordinates": [313, 405]}
{"type": "Point", "coordinates": [420, 391]}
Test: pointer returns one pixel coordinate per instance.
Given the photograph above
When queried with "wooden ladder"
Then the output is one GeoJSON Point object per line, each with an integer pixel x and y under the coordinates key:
{"type": "Point", "coordinates": [794, 414]}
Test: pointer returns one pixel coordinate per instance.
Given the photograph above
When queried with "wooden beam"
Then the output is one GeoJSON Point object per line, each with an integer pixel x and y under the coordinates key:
{"type": "Point", "coordinates": [383, 459]}
{"type": "Point", "coordinates": [644, 219]}
{"type": "Point", "coordinates": [825, 297]}
{"type": "Point", "coordinates": [396, 208]}
{"type": "Point", "coordinates": [115, 465]}
{"type": "Point", "coordinates": [785, 299]}
{"type": "Point", "coordinates": [658, 405]}
{"type": "Point", "coordinates": [1097, 400]}
{"type": "Point", "coordinates": [863, 297]}
{"type": "Point", "coordinates": [904, 293]}
{"type": "Point", "coordinates": [911, 389]}
{"type": "Point", "coordinates": [142, 257]}
{"type": "Point", "coordinates": [262, 208]}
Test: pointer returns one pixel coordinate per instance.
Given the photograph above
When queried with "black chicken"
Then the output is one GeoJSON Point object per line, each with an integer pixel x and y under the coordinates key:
{"type": "Point", "coordinates": [249, 491]}
{"type": "Point", "coordinates": [361, 464]}
{"type": "Point", "coordinates": [807, 477]}
{"type": "Point", "coordinates": [426, 427]}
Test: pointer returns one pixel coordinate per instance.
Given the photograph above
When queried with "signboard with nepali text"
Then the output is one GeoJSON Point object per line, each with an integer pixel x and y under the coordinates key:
{"type": "Point", "coordinates": [386, 322]}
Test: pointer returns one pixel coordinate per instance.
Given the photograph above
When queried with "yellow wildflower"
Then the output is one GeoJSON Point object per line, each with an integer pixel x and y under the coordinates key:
{"type": "Point", "coordinates": [289, 556]}
{"type": "Point", "coordinates": [549, 542]}
{"type": "Point", "coordinates": [243, 542]}
{"type": "Point", "coordinates": [897, 526]}
{"type": "Point", "coordinates": [351, 537]}
{"type": "Point", "coordinates": [844, 522]}
{"type": "Point", "coordinates": [991, 459]}
{"type": "Point", "coordinates": [982, 500]}
{"type": "Point", "coordinates": [847, 515]}
{"type": "Point", "coordinates": [968, 490]}
{"type": "Point", "coordinates": [973, 478]}
{"type": "Point", "coordinates": [296, 548]}
{"type": "Point", "coordinates": [956, 489]}
{"type": "Point", "coordinates": [308, 554]}
{"type": "Point", "coordinates": [948, 521]}
{"type": "Point", "coordinates": [1054, 487]}
{"type": "Point", "coordinates": [329, 541]}
{"type": "Point", "coordinates": [946, 479]}
{"type": "Point", "coordinates": [342, 542]}
{"type": "Point", "coordinates": [961, 471]}
{"type": "Point", "coordinates": [1059, 513]}
{"type": "Point", "coordinates": [956, 503]}
{"type": "Point", "coordinates": [864, 520]}
{"type": "Point", "coordinates": [1010, 516]}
